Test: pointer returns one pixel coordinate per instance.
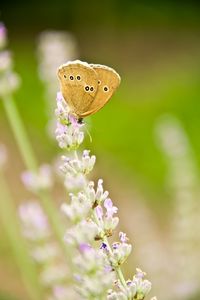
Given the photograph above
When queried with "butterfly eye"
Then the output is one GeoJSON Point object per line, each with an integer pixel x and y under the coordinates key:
{"type": "Point", "coordinates": [78, 77]}
{"type": "Point", "coordinates": [71, 77]}
{"type": "Point", "coordinates": [64, 76]}
{"type": "Point", "coordinates": [106, 89]}
{"type": "Point", "coordinates": [99, 82]}
{"type": "Point", "coordinates": [87, 88]}
{"type": "Point", "coordinates": [91, 89]}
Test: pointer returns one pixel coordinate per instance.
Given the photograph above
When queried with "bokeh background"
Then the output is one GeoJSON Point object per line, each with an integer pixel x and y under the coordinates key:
{"type": "Point", "coordinates": [146, 138]}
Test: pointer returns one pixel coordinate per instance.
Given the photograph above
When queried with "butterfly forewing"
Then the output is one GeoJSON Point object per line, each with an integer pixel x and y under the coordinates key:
{"type": "Point", "coordinates": [79, 84]}
{"type": "Point", "coordinates": [108, 81]}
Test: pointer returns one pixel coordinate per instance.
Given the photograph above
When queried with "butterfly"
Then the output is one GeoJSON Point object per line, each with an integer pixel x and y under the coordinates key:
{"type": "Point", "coordinates": [86, 88]}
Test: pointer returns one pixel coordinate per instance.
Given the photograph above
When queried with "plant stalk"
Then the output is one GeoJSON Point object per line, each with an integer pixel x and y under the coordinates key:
{"type": "Point", "coordinates": [30, 162]}
{"type": "Point", "coordinates": [11, 226]}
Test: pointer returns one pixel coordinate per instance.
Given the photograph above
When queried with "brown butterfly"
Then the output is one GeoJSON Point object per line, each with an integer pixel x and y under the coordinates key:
{"type": "Point", "coordinates": [87, 87]}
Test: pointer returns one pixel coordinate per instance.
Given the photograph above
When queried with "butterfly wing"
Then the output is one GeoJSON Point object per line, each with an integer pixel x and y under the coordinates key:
{"type": "Point", "coordinates": [108, 81]}
{"type": "Point", "coordinates": [79, 84]}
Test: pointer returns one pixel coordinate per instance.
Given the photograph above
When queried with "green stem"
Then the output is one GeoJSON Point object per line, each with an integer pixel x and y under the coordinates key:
{"type": "Point", "coordinates": [11, 227]}
{"type": "Point", "coordinates": [28, 156]}
{"type": "Point", "coordinates": [76, 155]}
{"type": "Point", "coordinates": [20, 133]}
{"type": "Point", "coordinates": [121, 276]}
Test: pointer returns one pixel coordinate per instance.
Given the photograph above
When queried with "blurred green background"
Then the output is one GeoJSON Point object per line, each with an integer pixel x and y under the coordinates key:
{"type": "Point", "coordinates": [155, 47]}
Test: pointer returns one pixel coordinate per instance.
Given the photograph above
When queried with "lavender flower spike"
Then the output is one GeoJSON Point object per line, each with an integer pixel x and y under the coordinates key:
{"type": "Point", "coordinates": [43, 249]}
{"type": "Point", "coordinates": [3, 36]}
{"type": "Point", "coordinates": [92, 214]}
{"type": "Point", "coordinates": [42, 180]}
{"type": "Point", "coordinates": [68, 132]}
{"type": "Point", "coordinates": [9, 81]}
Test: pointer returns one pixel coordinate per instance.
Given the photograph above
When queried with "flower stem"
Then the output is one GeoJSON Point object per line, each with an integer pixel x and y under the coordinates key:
{"type": "Point", "coordinates": [28, 156]}
{"type": "Point", "coordinates": [76, 155]}
{"type": "Point", "coordinates": [20, 133]}
{"type": "Point", "coordinates": [11, 227]}
{"type": "Point", "coordinates": [121, 276]}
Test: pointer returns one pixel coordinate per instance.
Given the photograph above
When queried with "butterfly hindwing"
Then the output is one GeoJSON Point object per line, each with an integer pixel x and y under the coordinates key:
{"type": "Point", "coordinates": [79, 84]}
{"type": "Point", "coordinates": [108, 81]}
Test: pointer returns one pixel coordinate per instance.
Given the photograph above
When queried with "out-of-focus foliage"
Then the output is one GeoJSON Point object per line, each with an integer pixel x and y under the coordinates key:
{"type": "Point", "coordinates": [7, 297]}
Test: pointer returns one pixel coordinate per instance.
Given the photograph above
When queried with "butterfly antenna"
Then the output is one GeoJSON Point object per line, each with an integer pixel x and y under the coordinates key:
{"type": "Point", "coordinates": [90, 137]}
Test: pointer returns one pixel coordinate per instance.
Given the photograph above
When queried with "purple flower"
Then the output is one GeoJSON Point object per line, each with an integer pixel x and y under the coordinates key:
{"type": "Point", "coordinates": [2, 35]}
{"type": "Point", "coordinates": [85, 247]}
{"type": "Point", "coordinates": [34, 222]}
{"type": "Point", "coordinates": [5, 61]}
{"type": "Point", "coordinates": [123, 237]}
{"type": "Point", "coordinates": [108, 269]}
{"type": "Point", "coordinates": [73, 120]}
{"type": "Point", "coordinates": [110, 209]}
{"type": "Point", "coordinates": [115, 245]}
{"type": "Point", "coordinates": [27, 178]}
{"type": "Point", "coordinates": [68, 133]}
{"type": "Point", "coordinates": [129, 282]}
{"type": "Point", "coordinates": [40, 180]}
{"type": "Point", "coordinates": [61, 129]}
{"type": "Point", "coordinates": [104, 246]}
{"type": "Point", "coordinates": [140, 273]}
{"type": "Point", "coordinates": [78, 278]}
{"type": "Point", "coordinates": [59, 97]}
{"type": "Point", "coordinates": [99, 212]}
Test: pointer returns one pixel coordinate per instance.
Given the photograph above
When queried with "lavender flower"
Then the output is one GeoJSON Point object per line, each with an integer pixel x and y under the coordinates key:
{"type": "Point", "coordinates": [82, 233]}
{"type": "Point", "coordinates": [183, 179]}
{"type": "Point", "coordinates": [75, 166]}
{"type": "Point", "coordinates": [120, 253]}
{"type": "Point", "coordinates": [62, 292]}
{"type": "Point", "coordinates": [54, 48]}
{"type": "Point", "coordinates": [137, 288]}
{"type": "Point", "coordinates": [54, 274]}
{"type": "Point", "coordinates": [40, 181]}
{"type": "Point", "coordinates": [45, 252]}
{"type": "Point", "coordinates": [9, 81]}
{"type": "Point", "coordinates": [5, 61]}
{"type": "Point", "coordinates": [3, 36]}
{"type": "Point", "coordinates": [68, 131]}
{"type": "Point", "coordinates": [106, 221]}
{"type": "Point", "coordinates": [93, 217]}
{"type": "Point", "coordinates": [35, 223]}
